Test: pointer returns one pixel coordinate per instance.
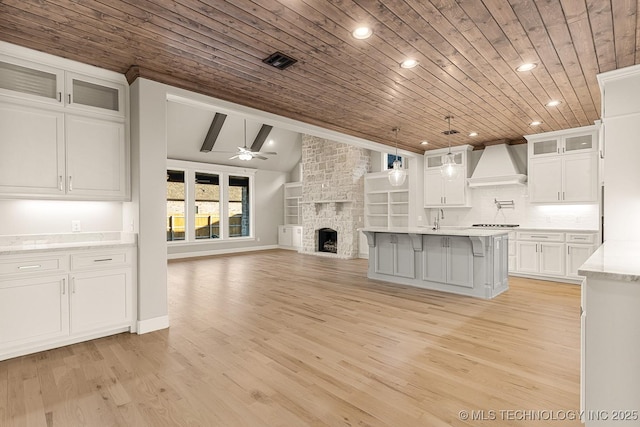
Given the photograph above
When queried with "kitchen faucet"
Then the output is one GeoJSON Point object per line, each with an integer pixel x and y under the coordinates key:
{"type": "Point", "coordinates": [436, 223]}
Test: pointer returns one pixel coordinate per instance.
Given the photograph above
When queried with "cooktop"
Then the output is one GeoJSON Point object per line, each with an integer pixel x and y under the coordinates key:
{"type": "Point", "coordinates": [496, 225]}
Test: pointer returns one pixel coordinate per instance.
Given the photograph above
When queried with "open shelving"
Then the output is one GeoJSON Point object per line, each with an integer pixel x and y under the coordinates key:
{"type": "Point", "coordinates": [385, 205]}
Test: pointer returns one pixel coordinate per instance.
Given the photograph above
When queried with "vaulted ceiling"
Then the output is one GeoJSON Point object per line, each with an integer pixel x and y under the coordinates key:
{"type": "Point", "coordinates": [467, 50]}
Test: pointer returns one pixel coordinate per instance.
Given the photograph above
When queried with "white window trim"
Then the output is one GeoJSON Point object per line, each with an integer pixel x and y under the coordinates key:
{"type": "Point", "coordinates": [223, 172]}
{"type": "Point", "coordinates": [385, 160]}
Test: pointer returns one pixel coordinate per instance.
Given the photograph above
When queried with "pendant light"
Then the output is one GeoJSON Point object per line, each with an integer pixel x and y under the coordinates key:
{"type": "Point", "coordinates": [397, 175]}
{"type": "Point", "coordinates": [449, 169]}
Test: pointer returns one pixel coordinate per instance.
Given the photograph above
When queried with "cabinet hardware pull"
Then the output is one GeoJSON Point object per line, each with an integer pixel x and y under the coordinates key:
{"type": "Point", "coordinates": [103, 259]}
{"type": "Point", "coordinates": [540, 248]}
{"type": "Point", "coordinates": [73, 285]}
{"type": "Point", "coordinates": [59, 96]}
{"type": "Point", "coordinates": [70, 183]}
{"type": "Point", "coordinates": [60, 183]}
{"type": "Point", "coordinates": [26, 267]}
{"type": "Point", "coordinates": [539, 237]}
{"type": "Point", "coordinates": [563, 198]}
{"type": "Point", "coordinates": [558, 195]}
{"type": "Point", "coordinates": [64, 286]}
{"type": "Point", "coordinates": [69, 98]}
{"type": "Point", "coordinates": [579, 238]}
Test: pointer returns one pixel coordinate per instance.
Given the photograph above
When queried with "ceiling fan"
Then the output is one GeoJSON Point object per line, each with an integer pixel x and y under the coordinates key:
{"type": "Point", "coordinates": [247, 154]}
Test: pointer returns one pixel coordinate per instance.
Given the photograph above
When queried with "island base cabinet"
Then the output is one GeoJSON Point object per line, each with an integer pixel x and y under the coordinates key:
{"type": "Point", "coordinates": [395, 255]}
{"type": "Point", "coordinates": [34, 309]}
{"type": "Point", "coordinates": [100, 299]}
{"type": "Point", "coordinates": [448, 259]}
{"type": "Point", "coordinates": [611, 351]}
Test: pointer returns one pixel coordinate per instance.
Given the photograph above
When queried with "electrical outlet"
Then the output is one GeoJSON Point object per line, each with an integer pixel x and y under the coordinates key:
{"type": "Point", "coordinates": [75, 225]}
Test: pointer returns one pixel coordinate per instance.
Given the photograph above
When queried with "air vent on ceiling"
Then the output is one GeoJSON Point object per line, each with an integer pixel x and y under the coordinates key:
{"type": "Point", "coordinates": [450, 132]}
{"type": "Point", "coordinates": [279, 60]}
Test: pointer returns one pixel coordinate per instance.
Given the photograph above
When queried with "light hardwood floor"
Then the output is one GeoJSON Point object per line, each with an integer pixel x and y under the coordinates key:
{"type": "Point", "coordinates": [275, 338]}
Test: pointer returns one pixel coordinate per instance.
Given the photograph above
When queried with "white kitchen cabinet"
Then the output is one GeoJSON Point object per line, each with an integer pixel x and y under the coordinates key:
{"type": "Point", "coordinates": [448, 259]}
{"type": "Point", "coordinates": [33, 310]}
{"type": "Point", "coordinates": [50, 300]}
{"type": "Point", "coordinates": [96, 158]}
{"type": "Point", "coordinates": [62, 133]}
{"type": "Point", "coordinates": [441, 192]}
{"type": "Point", "coordinates": [577, 254]}
{"type": "Point", "coordinates": [31, 81]}
{"type": "Point", "coordinates": [32, 158]}
{"type": "Point", "coordinates": [540, 253]}
{"type": "Point", "coordinates": [563, 166]}
{"type": "Point", "coordinates": [100, 299]}
{"type": "Point", "coordinates": [290, 236]}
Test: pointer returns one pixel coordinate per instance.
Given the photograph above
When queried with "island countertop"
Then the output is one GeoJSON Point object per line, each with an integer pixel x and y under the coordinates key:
{"type": "Point", "coordinates": [444, 231]}
{"type": "Point", "coordinates": [616, 260]}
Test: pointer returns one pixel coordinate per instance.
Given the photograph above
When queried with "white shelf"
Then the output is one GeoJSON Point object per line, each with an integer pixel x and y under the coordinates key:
{"type": "Point", "coordinates": [292, 199]}
{"type": "Point", "coordinates": [385, 205]}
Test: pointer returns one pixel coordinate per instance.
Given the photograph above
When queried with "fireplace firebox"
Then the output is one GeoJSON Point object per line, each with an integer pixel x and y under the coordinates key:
{"type": "Point", "coordinates": [328, 240]}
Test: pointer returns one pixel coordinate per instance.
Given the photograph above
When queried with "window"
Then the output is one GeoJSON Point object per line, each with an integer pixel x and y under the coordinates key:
{"type": "Point", "coordinates": [207, 202]}
{"type": "Point", "coordinates": [239, 206]}
{"type": "Point", "coordinates": [175, 205]}
{"type": "Point", "coordinates": [388, 160]}
{"type": "Point", "coordinates": [207, 209]}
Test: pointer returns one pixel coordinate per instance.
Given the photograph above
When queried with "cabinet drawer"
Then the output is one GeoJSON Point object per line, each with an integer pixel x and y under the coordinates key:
{"type": "Point", "coordinates": [26, 266]}
{"type": "Point", "coordinates": [100, 260]}
{"type": "Point", "coordinates": [581, 238]}
{"type": "Point", "coordinates": [541, 237]}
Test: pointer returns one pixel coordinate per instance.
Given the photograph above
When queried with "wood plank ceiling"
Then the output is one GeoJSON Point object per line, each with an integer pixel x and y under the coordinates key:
{"type": "Point", "coordinates": [467, 51]}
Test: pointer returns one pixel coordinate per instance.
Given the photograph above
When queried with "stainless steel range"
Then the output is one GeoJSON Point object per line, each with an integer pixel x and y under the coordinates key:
{"type": "Point", "coordinates": [496, 225]}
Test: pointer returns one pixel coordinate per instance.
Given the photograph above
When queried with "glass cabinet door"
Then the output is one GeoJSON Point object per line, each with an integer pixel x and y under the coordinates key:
{"type": "Point", "coordinates": [103, 96]}
{"type": "Point", "coordinates": [549, 146]}
{"type": "Point", "coordinates": [31, 80]}
{"type": "Point", "coordinates": [579, 143]}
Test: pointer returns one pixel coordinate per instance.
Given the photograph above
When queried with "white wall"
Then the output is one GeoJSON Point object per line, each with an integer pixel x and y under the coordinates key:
{"type": "Point", "coordinates": [55, 216]}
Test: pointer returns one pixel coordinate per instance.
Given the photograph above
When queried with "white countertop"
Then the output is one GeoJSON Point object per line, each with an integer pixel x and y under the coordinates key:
{"type": "Point", "coordinates": [616, 260]}
{"type": "Point", "coordinates": [444, 231]}
{"type": "Point", "coordinates": [33, 243]}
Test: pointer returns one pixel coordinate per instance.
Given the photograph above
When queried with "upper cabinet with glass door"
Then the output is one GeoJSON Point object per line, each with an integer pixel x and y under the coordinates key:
{"type": "Point", "coordinates": [31, 81]}
{"type": "Point", "coordinates": [573, 141]}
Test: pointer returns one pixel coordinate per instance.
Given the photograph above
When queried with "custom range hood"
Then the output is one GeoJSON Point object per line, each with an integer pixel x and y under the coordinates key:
{"type": "Point", "coordinates": [496, 167]}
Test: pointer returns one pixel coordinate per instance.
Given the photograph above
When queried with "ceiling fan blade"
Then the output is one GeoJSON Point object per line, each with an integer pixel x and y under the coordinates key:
{"type": "Point", "coordinates": [257, 156]}
{"type": "Point", "coordinates": [234, 157]}
{"type": "Point", "coordinates": [269, 153]}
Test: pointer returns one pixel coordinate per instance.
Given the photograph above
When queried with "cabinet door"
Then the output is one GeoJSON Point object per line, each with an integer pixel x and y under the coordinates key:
{"type": "Point", "coordinates": [434, 259]}
{"type": "Point", "coordinates": [33, 310]}
{"type": "Point", "coordinates": [545, 147]}
{"type": "Point", "coordinates": [545, 180]}
{"type": "Point", "coordinates": [576, 256]}
{"type": "Point", "coordinates": [454, 190]}
{"type": "Point", "coordinates": [404, 257]}
{"type": "Point", "coordinates": [284, 236]}
{"type": "Point", "coordinates": [30, 81]}
{"type": "Point", "coordinates": [384, 254]}
{"type": "Point", "coordinates": [31, 150]}
{"type": "Point", "coordinates": [96, 160]}
{"type": "Point", "coordinates": [100, 299]}
{"type": "Point", "coordinates": [552, 259]}
{"type": "Point", "coordinates": [296, 237]}
{"type": "Point", "coordinates": [92, 94]}
{"type": "Point", "coordinates": [580, 177]}
{"type": "Point", "coordinates": [527, 257]}
{"type": "Point", "coordinates": [460, 261]}
{"type": "Point", "coordinates": [433, 189]}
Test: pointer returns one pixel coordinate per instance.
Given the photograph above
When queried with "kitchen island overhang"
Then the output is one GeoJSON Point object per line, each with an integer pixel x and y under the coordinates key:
{"type": "Point", "coordinates": [470, 261]}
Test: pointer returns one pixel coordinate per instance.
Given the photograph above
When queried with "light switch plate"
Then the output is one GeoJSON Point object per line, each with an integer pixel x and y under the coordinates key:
{"type": "Point", "coordinates": [75, 225]}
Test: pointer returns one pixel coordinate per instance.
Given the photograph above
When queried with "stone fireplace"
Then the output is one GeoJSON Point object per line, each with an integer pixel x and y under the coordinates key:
{"type": "Point", "coordinates": [332, 195]}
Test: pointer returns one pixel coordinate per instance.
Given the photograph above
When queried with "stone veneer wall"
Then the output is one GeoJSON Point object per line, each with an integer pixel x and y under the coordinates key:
{"type": "Point", "coordinates": [333, 171]}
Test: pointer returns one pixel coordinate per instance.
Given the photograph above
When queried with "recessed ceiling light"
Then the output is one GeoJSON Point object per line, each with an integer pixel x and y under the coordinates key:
{"type": "Point", "coordinates": [553, 103]}
{"type": "Point", "coordinates": [424, 143]}
{"type": "Point", "coordinates": [362, 33]}
{"type": "Point", "coordinates": [270, 142]}
{"type": "Point", "coordinates": [473, 134]}
{"type": "Point", "coordinates": [526, 67]}
{"type": "Point", "coordinates": [535, 123]}
{"type": "Point", "coordinates": [409, 63]}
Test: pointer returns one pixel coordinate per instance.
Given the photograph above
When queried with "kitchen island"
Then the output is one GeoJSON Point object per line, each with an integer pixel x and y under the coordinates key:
{"type": "Point", "coordinates": [467, 261]}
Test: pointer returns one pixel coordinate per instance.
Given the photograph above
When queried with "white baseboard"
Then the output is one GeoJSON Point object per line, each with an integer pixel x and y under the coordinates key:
{"type": "Point", "coordinates": [155, 324]}
{"type": "Point", "coordinates": [220, 252]}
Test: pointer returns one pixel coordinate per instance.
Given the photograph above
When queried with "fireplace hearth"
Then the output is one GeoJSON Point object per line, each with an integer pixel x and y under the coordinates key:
{"type": "Point", "coordinates": [328, 240]}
